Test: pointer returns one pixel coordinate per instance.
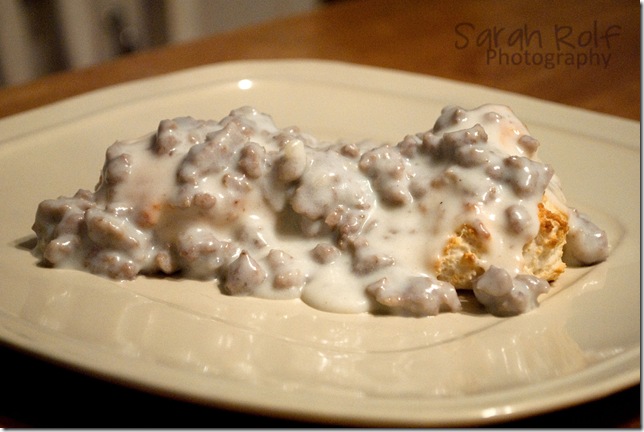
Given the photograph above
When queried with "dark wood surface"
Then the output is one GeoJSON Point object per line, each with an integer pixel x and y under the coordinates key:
{"type": "Point", "coordinates": [442, 38]}
{"type": "Point", "coordinates": [461, 40]}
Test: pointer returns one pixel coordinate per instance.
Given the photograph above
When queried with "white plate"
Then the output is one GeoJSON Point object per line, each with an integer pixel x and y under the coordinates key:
{"type": "Point", "coordinates": [183, 338]}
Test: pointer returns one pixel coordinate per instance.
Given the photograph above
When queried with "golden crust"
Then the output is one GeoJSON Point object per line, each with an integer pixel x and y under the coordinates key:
{"type": "Point", "coordinates": [460, 264]}
{"type": "Point", "coordinates": [543, 254]}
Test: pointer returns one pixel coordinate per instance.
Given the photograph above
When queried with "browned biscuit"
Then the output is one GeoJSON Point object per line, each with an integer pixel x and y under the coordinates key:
{"type": "Point", "coordinates": [460, 263]}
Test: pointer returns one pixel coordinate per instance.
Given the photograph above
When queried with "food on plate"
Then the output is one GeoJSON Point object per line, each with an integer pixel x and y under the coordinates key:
{"type": "Point", "coordinates": [344, 226]}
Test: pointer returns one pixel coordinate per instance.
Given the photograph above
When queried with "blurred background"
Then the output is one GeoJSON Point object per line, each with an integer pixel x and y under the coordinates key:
{"type": "Point", "coordinates": [38, 37]}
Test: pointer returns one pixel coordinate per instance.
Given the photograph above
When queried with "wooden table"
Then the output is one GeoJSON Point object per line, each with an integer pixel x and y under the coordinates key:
{"type": "Point", "coordinates": [579, 53]}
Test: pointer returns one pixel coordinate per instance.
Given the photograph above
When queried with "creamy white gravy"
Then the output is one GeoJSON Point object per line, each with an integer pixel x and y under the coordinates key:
{"type": "Point", "coordinates": [346, 227]}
